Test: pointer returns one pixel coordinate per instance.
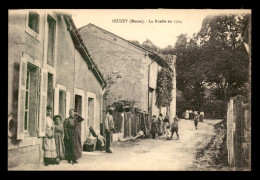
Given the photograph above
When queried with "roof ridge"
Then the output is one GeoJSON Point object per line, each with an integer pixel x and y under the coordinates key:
{"type": "Point", "coordinates": [118, 37]}
{"type": "Point", "coordinates": [140, 47]}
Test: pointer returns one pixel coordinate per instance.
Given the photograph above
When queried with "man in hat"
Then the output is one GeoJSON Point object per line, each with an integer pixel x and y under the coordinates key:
{"type": "Point", "coordinates": [109, 128]}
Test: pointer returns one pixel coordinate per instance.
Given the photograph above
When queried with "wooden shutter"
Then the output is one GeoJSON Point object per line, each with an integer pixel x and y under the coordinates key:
{"type": "Point", "coordinates": [43, 102]}
{"type": "Point", "coordinates": [56, 101]}
{"type": "Point", "coordinates": [67, 103]}
{"type": "Point", "coordinates": [21, 99]}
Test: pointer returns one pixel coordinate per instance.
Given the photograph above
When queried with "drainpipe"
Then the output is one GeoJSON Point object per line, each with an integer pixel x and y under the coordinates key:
{"type": "Point", "coordinates": [148, 85]}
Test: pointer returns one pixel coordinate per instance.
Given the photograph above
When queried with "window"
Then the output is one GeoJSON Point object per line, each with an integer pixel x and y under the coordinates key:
{"type": "Point", "coordinates": [31, 100]}
{"type": "Point", "coordinates": [91, 112]}
{"type": "Point", "coordinates": [78, 104]}
{"type": "Point", "coordinates": [51, 40]}
{"type": "Point", "coordinates": [62, 104]}
{"type": "Point", "coordinates": [33, 22]}
{"type": "Point", "coordinates": [50, 91]}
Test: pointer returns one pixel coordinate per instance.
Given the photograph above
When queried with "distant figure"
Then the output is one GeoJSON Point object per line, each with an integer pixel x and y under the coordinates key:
{"type": "Point", "coordinates": [154, 129]}
{"type": "Point", "coordinates": [196, 120]}
{"type": "Point", "coordinates": [166, 123]}
{"type": "Point", "coordinates": [201, 116]}
{"type": "Point", "coordinates": [175, 127]}
{"type": "Point", "coordinates": [187, 114]}
{"type": "Point", "coordinates": [191, 115]}
{"type": "Point", "coordinates": [160, 124]}
{"type": "Point", "coordinates": [168, 133]}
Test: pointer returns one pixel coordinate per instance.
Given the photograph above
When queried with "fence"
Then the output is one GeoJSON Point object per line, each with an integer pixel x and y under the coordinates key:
{"type": "Point", "coordinates": [129, 123]}
{"type": "Point", "coordinates": [239, 133]}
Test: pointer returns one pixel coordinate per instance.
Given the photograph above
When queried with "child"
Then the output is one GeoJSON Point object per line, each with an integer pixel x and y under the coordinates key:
{"type": "Point", "coordinates": [174, 127]}
{"type": "Point", "coordinates": [168, 133]}
{"type": "Point", "coordinates": [58, 135]}
{"type": "Point", "coordinates": [196, 120]}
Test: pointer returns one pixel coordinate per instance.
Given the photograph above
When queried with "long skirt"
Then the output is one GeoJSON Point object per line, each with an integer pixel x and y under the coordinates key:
{"type": "Point", "coordinates": [49, 148]}
{"type": "Point", "coordinates": [69, 145]}
{"type": "Point", "coordinates": [160, 127]}
{"type": "Point", "coordinates": [77, 145]}
{"type": "Point", "coordinates": [59, 145]}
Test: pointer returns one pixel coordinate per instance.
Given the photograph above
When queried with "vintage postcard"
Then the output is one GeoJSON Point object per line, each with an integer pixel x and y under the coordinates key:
{"type": "Point", "coordinates": [129, 89]}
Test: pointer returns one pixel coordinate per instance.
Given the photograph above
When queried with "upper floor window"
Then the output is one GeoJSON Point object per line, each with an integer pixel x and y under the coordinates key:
{"type": "Point", "coordinates": [34, 19]}
{"type": "Point", "coordinates": [33, 24]}
{"type": "Point", "coordinates": [51, 40]}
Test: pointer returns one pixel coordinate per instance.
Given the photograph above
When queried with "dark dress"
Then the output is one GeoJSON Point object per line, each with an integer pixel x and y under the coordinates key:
{"type": "Point", "coordinates": [154, 128]}
{"type": "Point", "coordinates": [72, 138]}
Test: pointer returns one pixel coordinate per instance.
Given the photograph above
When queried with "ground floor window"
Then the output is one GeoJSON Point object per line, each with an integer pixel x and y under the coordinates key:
{"type": "Point", "coordinates": [31, 100]}
{"type": "Point", "coordinates": [78, 104]}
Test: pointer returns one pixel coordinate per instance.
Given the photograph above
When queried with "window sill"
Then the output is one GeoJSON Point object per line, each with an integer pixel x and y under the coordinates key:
{"type": "Point", "coordinates": [32, 33]}
{"type": "Point", "coordinates": [27, 141]}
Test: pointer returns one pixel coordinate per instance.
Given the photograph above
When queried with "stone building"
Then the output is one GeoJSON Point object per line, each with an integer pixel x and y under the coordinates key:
{"type": "Point", "coordinates": [130, 70]}
{"type": "Point", "coordinates": [48, 65]}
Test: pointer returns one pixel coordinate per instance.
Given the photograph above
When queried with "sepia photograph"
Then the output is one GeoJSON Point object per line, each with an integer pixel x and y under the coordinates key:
{"type": "Point", "coordinates": [129, 89]}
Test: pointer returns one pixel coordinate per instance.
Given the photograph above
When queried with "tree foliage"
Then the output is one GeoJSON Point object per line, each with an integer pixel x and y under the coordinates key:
{"type": "Point", "coordinates": [225, 55]}
{"type": "Point", "coordinates": [213, 58]}
{"type": "Point", "coordinates": [148, 44]}
{"type": "Point", "coordinates": [164, 87]}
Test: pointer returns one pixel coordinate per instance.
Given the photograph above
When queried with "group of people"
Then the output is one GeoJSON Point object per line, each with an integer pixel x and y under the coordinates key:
{"type": "Point", "coordinates": [62, 141]}
{"type": "Point", "coordinates": [162, 126]}
{"type": "Point", "coordinates": [190, 115]}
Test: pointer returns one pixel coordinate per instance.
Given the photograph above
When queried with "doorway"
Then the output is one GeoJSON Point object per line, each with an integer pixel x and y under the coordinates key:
{"type": "Point", "coordinates": [78, 104]}
{"type": "Point", "coordinates": [62, 104]}
{"type": "Point", "coordinates": [91, 121]}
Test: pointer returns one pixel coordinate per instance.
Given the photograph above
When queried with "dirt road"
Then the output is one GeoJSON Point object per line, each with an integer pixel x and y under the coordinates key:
{"type": "Point", "coordinates": [146, 154]}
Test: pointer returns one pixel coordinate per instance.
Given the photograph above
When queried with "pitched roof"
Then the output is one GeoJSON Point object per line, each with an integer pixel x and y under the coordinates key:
{"type": "Point", "coordinates": [80, 46]}
{"type": "Point", "coordinates": [151, 54]}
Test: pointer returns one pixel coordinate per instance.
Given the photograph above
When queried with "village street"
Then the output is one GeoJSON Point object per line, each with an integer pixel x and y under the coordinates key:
{"type": "Point", "coordinates": [146, 154]}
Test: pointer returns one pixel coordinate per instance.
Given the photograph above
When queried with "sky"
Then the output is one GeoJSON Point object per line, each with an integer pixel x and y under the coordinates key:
{"type": "Point", "coordinates": [161, 34]}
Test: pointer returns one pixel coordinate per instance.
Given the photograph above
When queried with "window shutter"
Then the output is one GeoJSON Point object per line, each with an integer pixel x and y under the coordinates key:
{"type": "Point", "coordinates": [43, 102]}
{"type": "Point", "coordinates": [67, 103]}
{"type": "Point", "coordinates": [56, 101]}
{"type": "Point", "coordinates": [21, 99]}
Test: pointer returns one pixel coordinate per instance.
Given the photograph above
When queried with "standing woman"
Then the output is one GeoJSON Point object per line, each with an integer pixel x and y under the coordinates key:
{"type": "Point", "coordinates": [49, 147]}
{"type": "Point", "coordinates": [58, 135]}
{"type": "Point", "coordinates": [77, 141]}
{"type": "Point", "coordinates": [154, 126]}
{"type": "Point", "coordinates": [160, 124]}
{"type": "Point", "coordinates": [72, 140]}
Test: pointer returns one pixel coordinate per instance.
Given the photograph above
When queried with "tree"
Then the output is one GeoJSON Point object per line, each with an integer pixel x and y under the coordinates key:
{"type": "Point", "coordinates": [190, 72]}
{"type": "Point", "coordinates": [148, 44]}
{"type": "Point", "coordinates": [136, 43]}
{"type": "Point", "coordinates": [223, 52]}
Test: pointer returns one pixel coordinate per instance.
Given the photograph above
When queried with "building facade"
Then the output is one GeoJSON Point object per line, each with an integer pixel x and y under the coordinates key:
{"type": "Point", "coordinates": [48, 65]}
{"type": "Point", "coordinates": [131, 70]}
